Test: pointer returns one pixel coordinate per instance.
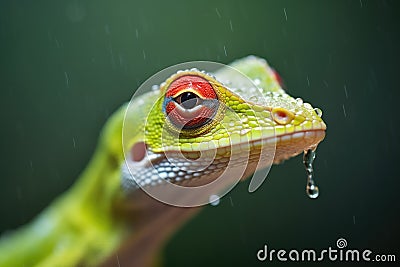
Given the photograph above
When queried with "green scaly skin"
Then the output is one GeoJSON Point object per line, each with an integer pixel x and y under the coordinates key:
{"type": "Point", "coordinates": [84, 225]}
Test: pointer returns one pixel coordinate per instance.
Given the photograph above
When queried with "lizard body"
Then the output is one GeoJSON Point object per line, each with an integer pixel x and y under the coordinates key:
{"type": "Point", "coordinates": [146, 144]}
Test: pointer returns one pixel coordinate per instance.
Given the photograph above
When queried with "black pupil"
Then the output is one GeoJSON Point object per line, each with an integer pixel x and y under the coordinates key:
{"type": "Point", "coordinates": [188, 100]}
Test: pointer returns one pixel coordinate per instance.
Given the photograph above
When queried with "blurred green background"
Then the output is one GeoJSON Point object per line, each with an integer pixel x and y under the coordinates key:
{"type": "Point", "coordinates": [67, 65]}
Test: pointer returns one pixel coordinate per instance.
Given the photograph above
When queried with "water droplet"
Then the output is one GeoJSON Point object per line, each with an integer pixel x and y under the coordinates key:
{"type": "Point", "coordinates": [253, 99]}
{"type": "Point", "coordinates": [312, 189]}
{"type": "Point", "coordinates": [257, 81]}
{"type": "Point", "coordinates": [299, 101]}
{"type": "Point", "coordinates": [318, 111]}
{"type": "Point", "coordinates": [307, 105]}
{"type": "Point", "coordinates": [214, 200]}
{"type": "Point", "coordinates": [155, 87]}
{"type": "Point", "coordinates": [227, 82]}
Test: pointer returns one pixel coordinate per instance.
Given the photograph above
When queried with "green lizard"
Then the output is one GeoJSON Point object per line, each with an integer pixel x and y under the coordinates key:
{"type": "Point", "coordinates": [193, 115]}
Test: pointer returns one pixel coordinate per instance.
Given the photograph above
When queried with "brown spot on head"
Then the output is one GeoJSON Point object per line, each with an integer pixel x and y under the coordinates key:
{"type": "Point", "coordinates": [138, 151]}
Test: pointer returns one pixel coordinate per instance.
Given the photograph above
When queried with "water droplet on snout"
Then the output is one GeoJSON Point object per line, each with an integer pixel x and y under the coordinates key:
{"type": "Point", "coordinates": [312, 189]}
{"type": "Point", "coordinates": [214, 200]}
{"type": "Point", "coordinates": [318, 111]}
{"type": "Point", "coordinates": [299, 101]}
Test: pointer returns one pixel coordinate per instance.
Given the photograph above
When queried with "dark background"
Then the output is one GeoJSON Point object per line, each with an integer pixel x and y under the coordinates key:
{"type": "Point", "coordinates": [67, 65]}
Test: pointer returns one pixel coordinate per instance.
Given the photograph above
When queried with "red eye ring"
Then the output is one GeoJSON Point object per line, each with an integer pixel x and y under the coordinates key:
{"type": "Point", "coordinates": [190, 102]}
{"type": "Point", "coordinates": [195, 83]}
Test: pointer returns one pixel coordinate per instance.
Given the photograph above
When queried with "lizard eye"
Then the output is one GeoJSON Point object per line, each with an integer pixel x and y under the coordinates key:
{"type": "Point", "coordinates": [190, 102]}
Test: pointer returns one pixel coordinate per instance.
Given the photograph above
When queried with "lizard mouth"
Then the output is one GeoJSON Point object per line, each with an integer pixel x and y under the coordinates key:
{"type": "Point", "coordinates": [292, 144]}
{"type": "Point", "coordinates": [261, 153]}
{"type": "Point", "coordinates": [284, 145]}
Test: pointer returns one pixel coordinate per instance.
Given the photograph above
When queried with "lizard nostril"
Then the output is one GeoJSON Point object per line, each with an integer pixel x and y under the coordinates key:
{"type": "Point", "coordinates": [282, 116]}
{"type": "Point", "coordinates": [138, 151]}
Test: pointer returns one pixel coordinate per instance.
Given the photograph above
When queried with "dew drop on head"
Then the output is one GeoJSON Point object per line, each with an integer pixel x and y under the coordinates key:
{"type": "Point", "coordinates": [299, 101]}
{"type": "Point", "coordinates": [254, 99]}
{"type": "Point", "coordinates": [318, 111]}
{"type": "Point", "coordinates": [257, 81]}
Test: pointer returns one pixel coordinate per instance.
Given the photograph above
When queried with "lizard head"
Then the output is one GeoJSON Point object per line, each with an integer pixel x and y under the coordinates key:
{"type": "Point", "coordinates": [201, 124]}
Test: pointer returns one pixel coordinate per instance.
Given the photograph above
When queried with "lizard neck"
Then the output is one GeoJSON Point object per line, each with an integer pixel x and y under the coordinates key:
{"type": "Point", "coordinates": [152, 223]}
